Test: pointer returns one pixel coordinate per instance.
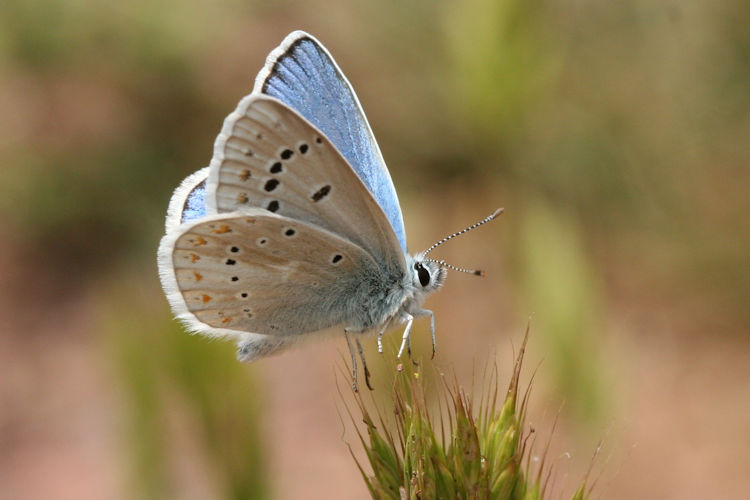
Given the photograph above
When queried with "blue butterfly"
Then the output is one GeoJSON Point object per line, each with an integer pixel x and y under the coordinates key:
{"type": "Point", "coordinates": [295, 226]}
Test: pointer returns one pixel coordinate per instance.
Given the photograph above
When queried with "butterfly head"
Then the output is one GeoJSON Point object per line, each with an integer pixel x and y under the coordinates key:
{"type": "Point", "coordinates": [427, 274]}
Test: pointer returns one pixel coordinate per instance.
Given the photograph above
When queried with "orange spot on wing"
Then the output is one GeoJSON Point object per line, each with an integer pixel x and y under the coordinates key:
{"type": "Point", "coordinates": [198, 276]}
{"type": "Point", "coordinates": [226, 320]}
{"type": "Point", "coordinates": [205, 298]}
{"type": "Point", "coordinates": [222, 229]}
{"type": "Point", "coordinates": [245, 175]}
{"type": "Point", "coordinates": [194, 257]}
{"type": "Point", "coordinates": [198, 241]}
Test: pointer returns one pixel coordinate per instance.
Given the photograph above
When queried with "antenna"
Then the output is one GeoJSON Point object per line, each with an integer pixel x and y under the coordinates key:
{"type": "Point", "coordinates": [442, 263]}
{"type": "Point", "coordinates": [466, 230]}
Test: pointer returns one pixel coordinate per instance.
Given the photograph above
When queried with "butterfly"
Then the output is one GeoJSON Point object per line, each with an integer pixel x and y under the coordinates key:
{"type": "Point", "coordinates": [295, 226]}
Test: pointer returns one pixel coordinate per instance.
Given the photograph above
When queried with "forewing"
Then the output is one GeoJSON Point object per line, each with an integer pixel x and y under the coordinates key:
{"type": "Point", "coordinates": [262, 273]}
{"type": "Point", "coordinates": [268, 156]}
{"type": "Point", "coordinates": [302, 74]}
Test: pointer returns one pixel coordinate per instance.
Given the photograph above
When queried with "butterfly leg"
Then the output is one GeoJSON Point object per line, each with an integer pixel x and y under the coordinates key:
{"type": "Point", "coordinates": [408, 351]}
{"type": "Point", "coordinates": [427, 312]}
{"type": "Point", "coordinates": [380, 339]}
{"type": "Point", "coordinates": [354, 360]}
{"type": "Point", "coordinates": [424, 312]}
{"type": "Point", "coordinates": [364, 364]}
{"type": "Point", "coordinates": [409, 320]}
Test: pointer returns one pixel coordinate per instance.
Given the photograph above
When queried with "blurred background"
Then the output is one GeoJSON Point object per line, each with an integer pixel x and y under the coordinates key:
{"type": "Point", "coordinates": [616, 136]}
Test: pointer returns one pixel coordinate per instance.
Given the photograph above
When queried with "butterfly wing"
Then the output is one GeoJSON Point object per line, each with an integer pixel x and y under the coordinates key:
{"type": "Point", "coordinates": [188, 201]}
{"type": "Point", "coordinates": [259, 272]}
{"type": "Point", "coordinates": [302, 74]}
{"type": "Point", "coordinates": [269, 156]}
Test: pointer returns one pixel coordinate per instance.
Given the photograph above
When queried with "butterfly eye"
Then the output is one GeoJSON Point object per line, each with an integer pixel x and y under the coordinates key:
{"type": "Point", "coordinates": [424, 274]}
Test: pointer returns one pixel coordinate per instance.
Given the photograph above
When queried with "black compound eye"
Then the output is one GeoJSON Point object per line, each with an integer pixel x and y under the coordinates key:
{"type": "Point", "coordinates": [424, 274]}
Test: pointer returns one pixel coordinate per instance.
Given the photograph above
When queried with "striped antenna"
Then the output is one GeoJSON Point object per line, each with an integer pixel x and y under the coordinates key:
{"type": "Point", "coordinates": [473, 226]}
{"type": "Point", "coordinates": [442, 263]}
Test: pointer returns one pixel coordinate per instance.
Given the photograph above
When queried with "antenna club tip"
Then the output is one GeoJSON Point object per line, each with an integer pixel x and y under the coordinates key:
{"type": "Point", "coordinates": [497, 212]}
{"type": "Point", "coordinates": [478, 272]}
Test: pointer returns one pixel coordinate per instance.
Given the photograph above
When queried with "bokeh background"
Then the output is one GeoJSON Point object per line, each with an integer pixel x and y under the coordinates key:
{"type": "Point", "coordinates": [615, 134]}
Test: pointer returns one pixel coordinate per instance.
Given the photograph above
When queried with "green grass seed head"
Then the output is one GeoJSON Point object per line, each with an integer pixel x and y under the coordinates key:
{"type": "Point", "coordinates": [462, 454]}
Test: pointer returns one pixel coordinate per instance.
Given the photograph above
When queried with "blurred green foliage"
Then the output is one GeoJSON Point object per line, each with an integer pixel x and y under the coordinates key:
{"type": "Point", "coordinates": [558, 279]}
{"type": "Point", "coordinates": [167, 375]}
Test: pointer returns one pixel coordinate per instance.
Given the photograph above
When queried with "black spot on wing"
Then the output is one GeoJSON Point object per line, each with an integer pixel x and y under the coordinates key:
{"type": "Point", "coordinates": [286, 154]}
{"type": "Point", "coordinates": [321, 193]}
{"type": "Point", "coordinates": [271, 184]}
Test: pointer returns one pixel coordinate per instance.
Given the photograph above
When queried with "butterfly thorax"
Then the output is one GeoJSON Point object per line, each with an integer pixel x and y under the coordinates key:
{"type": "Point", "coordinates": [383, 300]}
{"type": "Point", "coordinates": [403, 297]}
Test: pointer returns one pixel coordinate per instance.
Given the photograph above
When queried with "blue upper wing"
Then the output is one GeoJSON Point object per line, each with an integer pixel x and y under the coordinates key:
{"type": "Point", "coordinates": [303, 75]}
{"type": "Point", "coordinates": [195, 204]}
{"type": "Point", "coordinates": [188, 202]}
